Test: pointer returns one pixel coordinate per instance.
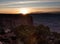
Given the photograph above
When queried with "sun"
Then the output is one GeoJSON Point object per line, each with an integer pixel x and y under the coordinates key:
{"type": "Point", "coordinates": [24, 11]}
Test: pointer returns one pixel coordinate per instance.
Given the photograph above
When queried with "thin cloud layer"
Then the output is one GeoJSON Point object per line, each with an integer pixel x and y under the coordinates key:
{"type": "Point", "coordinates": [39, 0]}
{"type": "Point", "coordinates": [30, 4]}
{"type": "Point", "coordinates": [19, 2]}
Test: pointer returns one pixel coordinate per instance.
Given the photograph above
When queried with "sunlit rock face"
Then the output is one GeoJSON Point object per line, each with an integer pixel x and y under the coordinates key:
{"type": "Point", "coordinates": [12, 21]}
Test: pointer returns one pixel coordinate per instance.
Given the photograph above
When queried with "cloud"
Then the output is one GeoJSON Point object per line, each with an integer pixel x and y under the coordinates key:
{"type": "Point", "coordinates": [30, 4]}
{"type": "Point", "coordinates": [47, 0]}
{"type": "Point", "coordinates": [25, 1]}
{"type": "Point", "coordinates": [20, 2]}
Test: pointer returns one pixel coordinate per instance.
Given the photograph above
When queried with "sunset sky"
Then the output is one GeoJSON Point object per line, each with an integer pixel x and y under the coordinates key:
{"type": "Point", "coordinates": [14, 6]}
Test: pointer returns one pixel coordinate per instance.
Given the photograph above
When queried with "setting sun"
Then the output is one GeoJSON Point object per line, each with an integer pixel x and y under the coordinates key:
{"type": "Point", "coordinates": [24, 11]}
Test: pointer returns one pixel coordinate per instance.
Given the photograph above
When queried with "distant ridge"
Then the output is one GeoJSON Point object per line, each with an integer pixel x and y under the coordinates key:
{"type": "Point", "coordinates": [57, 12]}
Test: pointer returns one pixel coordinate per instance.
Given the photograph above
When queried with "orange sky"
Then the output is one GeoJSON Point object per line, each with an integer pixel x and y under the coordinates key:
{"type": "Point", "coordinates": [17, 10]}
{"type": "Point", "coordinates": [14, 6]}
